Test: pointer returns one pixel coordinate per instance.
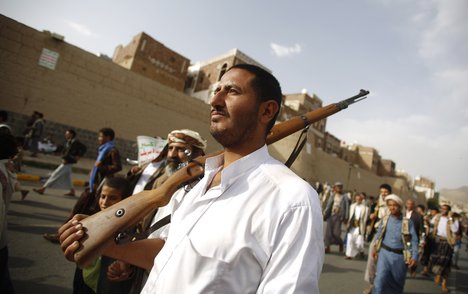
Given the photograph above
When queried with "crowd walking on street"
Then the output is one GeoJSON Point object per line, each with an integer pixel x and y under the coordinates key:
{"type": "Point", "coordinates": [235, 228]}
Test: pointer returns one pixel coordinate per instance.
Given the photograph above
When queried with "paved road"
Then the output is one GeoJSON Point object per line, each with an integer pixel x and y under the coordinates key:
{"type": "Point", "coordinates": [39, 266]}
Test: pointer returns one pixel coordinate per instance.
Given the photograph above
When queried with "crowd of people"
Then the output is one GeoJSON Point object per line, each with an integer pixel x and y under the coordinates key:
{"type": "Point", "coordinates": [400, 235]}
{"type": "Point", "coordinates": [236, 228]}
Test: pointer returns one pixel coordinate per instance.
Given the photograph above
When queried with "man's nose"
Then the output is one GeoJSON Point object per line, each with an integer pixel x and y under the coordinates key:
{"type": "Point", "coordinates": [218, 98]}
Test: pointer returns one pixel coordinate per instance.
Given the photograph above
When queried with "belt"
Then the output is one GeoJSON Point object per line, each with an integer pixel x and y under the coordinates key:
{"type": "Point", "coordinates": [440, 239]}
{"type": "Point", "coordinates": [397, 251]}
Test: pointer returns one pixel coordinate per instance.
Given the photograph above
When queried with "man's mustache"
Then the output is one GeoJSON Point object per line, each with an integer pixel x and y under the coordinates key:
{"type": "Point", "coordinates": [173, 160]}
{"type": "Point", "coordinates": [218, 110]}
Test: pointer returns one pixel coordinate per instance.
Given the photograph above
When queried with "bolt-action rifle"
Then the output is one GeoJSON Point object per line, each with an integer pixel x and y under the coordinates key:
{"type": "Point", "coordinates": [102, 227]}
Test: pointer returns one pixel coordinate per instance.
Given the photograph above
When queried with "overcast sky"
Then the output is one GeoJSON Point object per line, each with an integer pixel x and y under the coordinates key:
{"type": "Point", "coordinates": [411, 55]}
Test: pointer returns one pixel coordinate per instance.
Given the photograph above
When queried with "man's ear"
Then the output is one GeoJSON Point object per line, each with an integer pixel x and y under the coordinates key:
{"type": "Point", "coordinates": [267, 111]}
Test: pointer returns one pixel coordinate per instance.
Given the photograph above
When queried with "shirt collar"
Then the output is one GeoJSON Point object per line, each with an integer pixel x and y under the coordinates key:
{"type": "Point", "coordinates": [239, 167]}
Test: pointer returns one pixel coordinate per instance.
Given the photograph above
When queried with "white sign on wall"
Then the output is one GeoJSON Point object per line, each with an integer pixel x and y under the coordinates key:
{"type": "Point", "coordinates": [48, 58]}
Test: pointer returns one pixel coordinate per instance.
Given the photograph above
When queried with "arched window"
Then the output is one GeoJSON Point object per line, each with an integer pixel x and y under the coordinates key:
{"type": "Point", "coordinates": [223, 70]}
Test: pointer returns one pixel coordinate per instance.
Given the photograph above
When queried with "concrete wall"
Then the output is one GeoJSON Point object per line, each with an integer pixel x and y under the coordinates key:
{"type": "Point", "coordinates": [313, 164]}
{"type": "Point", "coordinates": [87, 91]}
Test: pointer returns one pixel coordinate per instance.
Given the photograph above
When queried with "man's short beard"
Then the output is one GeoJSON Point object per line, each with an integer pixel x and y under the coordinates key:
{"type": "Point", "coordinates": [171, 168]}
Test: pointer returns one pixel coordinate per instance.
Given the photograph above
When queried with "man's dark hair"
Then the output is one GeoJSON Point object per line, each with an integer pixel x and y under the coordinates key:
{"type": "Point", "coordinates": [71, 131]}
{"type": "Point", "coordinates": [4, 115]}
{"type": "Point", "coordinates": [265, 85]}
{"type": "Point", "coordinates": [120, 184]}
{"type": "Point", "coordinates": [108, 132]}
{"type": "Point", "coordinates": [423, 208]}
{"type": "Point", "coordinates": [449, 208]}
{"type": "Point", "coordinates": [8, 147]}
{"type": "Point", "coordinates": [386, 186]}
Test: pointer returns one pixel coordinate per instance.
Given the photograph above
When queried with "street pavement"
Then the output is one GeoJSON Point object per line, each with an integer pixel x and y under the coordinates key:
{"type": "Point", "coordinates": [38, 266]}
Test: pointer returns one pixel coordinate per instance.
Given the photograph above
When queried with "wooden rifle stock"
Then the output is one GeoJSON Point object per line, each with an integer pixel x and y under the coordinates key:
{"type": "Point", "coordinates": [102, 227]}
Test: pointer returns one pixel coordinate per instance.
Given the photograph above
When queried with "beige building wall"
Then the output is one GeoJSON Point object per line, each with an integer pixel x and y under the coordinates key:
{"type": "Point", "coordinates": [87, 91]}
{"type": "Point", "coordinates": [313, 165]}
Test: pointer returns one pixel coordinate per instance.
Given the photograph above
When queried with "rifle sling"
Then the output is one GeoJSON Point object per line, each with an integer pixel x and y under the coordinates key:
{"type": "Point", "coordinates": [123, 238]}
{"type": "Point", "coordinates": [298, 148]}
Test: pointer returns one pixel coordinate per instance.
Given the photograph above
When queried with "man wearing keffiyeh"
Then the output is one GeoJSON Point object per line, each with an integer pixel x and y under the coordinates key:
{"type": "Point", "coordinates": [179, 142]}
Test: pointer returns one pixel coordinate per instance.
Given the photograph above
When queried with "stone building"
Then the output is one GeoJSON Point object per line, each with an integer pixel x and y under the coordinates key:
{"type": "Point", "coordinates": [368, 158]}
{"type": "Point", "coordinates": [203, 77]}
{"type": "Point", "coordinates": [387, 168]}
{"type": "Point", "coordinates": [424, 185]}
{"type": "Point", "coordinates": [148, 57]}
{"type": "Point", "coordinates": [302, 103]}
{"type": "Point", "coordinates": [332, 145]}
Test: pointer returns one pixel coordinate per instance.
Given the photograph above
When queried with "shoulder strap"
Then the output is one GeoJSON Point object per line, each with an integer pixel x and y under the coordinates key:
{"type": "Point", "coordinates": [405, 226]}
{"type": "Point", "coordinates": [384, 221]}
{"type": "Point", "coordinates": [405, 232]}
{"type": "Point", "coordinates": [297, 149]}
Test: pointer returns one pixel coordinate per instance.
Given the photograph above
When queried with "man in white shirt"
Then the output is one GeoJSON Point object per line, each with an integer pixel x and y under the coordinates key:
{"type": "Point", "coordinates": [444, 231]}
{"type": "Point", "coordinates": [359, 213]}
{"type": "Point", "coordinates": [250, 225]}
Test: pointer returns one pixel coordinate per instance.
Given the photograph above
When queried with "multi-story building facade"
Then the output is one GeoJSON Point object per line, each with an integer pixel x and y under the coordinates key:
{"type": "Point", "coordinates": [424, 185]}
{"type": "Point", "coordinates": [386, 168]}
{"type": "Point", "coordinates": [203, 77]}
{"type": "Point", "coordinates": [368, 158]}
{"type": "Point", "coordinates": [150, 58]}
{"type": "Point", "coordinates": [302, 103]}
{"type": "Point", "coordinates": [332, 145]}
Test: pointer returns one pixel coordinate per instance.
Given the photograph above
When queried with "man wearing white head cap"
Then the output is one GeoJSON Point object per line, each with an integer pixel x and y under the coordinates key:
{"type": "Point", "coordinates": [397, 247]}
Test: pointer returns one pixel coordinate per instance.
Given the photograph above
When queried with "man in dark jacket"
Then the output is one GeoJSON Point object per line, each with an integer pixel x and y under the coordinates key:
{"type": "Point", "coordinates": [61, 177]}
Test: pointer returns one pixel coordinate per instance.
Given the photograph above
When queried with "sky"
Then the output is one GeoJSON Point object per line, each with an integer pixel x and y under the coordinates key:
{"type": "Point", "coordinates": [411, 55]}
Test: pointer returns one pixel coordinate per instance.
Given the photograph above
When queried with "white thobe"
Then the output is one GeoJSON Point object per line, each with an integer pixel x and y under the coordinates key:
{"type": "Point", "coordinates": [259, 231]}
{"type": "Point", "coordinates": [355, 240]}
{"type": "Point", "coordinates": [149, 170]}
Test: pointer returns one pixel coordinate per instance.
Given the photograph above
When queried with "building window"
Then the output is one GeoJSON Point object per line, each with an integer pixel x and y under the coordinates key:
{"type": "Point", "coordinates": [223, 70]}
